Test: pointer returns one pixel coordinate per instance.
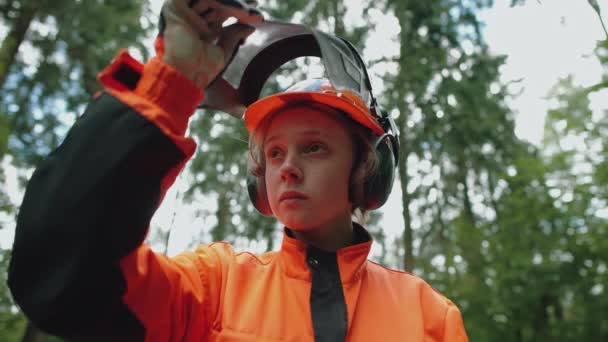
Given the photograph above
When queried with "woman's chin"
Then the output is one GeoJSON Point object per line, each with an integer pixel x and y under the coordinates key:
{"type": "Point", "coordinates": [295, 224]}
{"type": "Point", "coordinates": [308, 220]}
{"type": "Point", "coordinates": [296, 221]}
{"type": "Point", "coordinates": [297, 218]}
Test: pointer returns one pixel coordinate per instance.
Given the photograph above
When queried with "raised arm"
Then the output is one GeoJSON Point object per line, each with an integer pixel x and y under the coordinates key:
{"type": "Point", "coordinates": [79, 268]}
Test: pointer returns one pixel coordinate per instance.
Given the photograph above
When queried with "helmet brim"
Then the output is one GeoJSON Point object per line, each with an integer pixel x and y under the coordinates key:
{"type": "Point", "coordinates": [259, 110]}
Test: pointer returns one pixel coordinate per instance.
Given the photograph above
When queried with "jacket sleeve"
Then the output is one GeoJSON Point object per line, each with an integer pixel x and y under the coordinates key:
{"type": "Point", "coordinates": [87, 209]}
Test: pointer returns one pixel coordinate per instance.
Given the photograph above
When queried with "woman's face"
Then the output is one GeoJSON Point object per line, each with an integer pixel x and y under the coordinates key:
{"type": "Point", "coordinates": [308, 164]}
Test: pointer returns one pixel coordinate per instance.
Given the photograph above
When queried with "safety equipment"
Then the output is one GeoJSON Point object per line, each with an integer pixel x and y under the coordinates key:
{"type": "Point", "coordinates": [348, 88]}
{"type": "Point", "coordinates": [315, 90]}
{"type": "Point", "coordinates": [191, 31]}
{"type": "Point", "coordinates": [378, 187]}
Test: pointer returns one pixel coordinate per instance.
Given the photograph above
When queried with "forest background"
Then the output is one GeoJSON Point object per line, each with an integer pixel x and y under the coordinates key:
{"type": "Point", "coordinates": [514, 230]}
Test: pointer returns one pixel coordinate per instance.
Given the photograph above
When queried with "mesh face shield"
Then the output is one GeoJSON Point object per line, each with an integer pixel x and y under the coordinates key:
{"type": "Point", "coordinates": [275, 43]}
{"type": "Point", "coordinates": [272, 45]}
{"type": "Point", "coordinates": [347, 87]}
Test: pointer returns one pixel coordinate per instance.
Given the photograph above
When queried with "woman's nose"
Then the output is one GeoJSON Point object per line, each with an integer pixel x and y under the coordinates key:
{"type": "Point", "coordinates": [290, 172]}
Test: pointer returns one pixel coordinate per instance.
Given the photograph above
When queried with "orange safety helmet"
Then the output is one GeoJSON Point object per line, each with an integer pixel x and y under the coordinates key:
{"type": "Point", "coordinates": [318, 90]}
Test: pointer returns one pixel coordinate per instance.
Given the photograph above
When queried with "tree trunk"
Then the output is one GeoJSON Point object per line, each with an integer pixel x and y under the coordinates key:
{"type": "Point", "coordinates": [444, 241]}
{"type": "Point", "coordinates": [471, 253]}
{"type": "Point", "coordinates": [408, 236]}
{"type": "Point", "coordinates": [466, 200]}
{"type": "Point", "coordinates": [401, 88]}
{"type": "Point", "coordinates": [492, 190]}
{"type": "Point", "coordinates": [220, 231]}
{"type": "Point", "coordinates": [14, 38]}
{"type": "Point", "coordinates": [338, 9]}
{"type": "Point", "coordinates": [32, 334]}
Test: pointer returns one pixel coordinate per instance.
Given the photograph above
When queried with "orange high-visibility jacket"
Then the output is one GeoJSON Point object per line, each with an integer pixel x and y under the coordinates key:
{"type": "Point", "coordinates": [80, 268]}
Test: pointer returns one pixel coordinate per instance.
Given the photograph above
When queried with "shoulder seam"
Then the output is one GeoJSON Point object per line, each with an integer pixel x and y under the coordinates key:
{"type": "Point", "coordinates": [255, 256]}
{"type": "Point", "coordinates": [392, 270]}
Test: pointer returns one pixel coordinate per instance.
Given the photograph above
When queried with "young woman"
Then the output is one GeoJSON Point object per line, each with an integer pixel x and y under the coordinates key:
{"type": "Point", "coordinates": [80, 270]}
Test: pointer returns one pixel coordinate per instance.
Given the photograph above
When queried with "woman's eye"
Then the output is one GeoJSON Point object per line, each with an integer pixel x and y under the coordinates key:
{"type": "Point", "coordinates": [274, 153]}
{"type": "Point", "coordinates": [314, 148]}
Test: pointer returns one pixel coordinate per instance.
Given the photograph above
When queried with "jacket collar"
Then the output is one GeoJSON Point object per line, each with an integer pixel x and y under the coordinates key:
{"type": "Point", "coordinates": [296, 257]}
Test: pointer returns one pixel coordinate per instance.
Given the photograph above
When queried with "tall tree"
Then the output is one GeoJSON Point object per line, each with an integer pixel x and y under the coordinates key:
{"type": "Point", "coordinates": [440, 95]}
{"type": "Point", "coordinates": [472, 193]}
{"type": "Point", "coordinates": [575, 140]}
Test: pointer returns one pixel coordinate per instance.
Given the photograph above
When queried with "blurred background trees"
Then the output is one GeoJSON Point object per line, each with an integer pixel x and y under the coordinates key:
{"type": "Point", "coordinates": [516, 234]}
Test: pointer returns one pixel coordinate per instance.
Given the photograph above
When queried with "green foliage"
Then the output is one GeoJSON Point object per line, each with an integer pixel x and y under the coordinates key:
{"type": "Point", "coordinates": [575, 137]}
{"type": "Point", "coordinates": [12, 324]}
{"type": "Point", "coordinates": [490, 235]}
{"type": "Point", "coordinates": [66, 44]}
{"type": "Point", "coordinates": [220, 170]}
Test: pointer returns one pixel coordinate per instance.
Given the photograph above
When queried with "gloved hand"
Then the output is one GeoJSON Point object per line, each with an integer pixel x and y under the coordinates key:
{"type": "Point", "coordinates": [193, 41]}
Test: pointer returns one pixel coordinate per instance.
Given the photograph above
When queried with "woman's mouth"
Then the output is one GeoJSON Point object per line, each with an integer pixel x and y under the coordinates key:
{"type": "Point", "coordinates": [292, 196]}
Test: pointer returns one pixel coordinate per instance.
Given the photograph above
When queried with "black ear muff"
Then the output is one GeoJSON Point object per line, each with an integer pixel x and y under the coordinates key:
{"type": "Point", "coordinates": [378, 187]}
{"type": "Point", "coordinates": [256, 187]}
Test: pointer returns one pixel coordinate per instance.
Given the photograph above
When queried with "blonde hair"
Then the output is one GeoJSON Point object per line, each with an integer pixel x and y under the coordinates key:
{"type": "Point", "coordinates": [365, 160]}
